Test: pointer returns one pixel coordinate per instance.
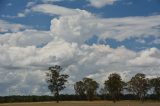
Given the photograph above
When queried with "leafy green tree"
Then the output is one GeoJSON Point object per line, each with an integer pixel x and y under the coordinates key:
{"type": "Point", "coordinates": [114, 85]}
{"type": "Point", "coordinates": [56, 81]}
{"type": "Point", "coordinates": [139, 86]}
{"type": "Point", "coordinates": [155, 84]}
{"type": "Point", "coordinates": [87, 87]}
{"type": "Point", "coordinates": [79, 88]}
{"type": "Point", "coordinates": [91, 87]}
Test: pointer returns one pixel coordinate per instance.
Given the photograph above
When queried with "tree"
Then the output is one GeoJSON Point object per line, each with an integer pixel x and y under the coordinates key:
{"type": "Point", "coordinates": [56, 81]}
{"type": "Point", "coordinates": [139, 86]}
{"type": "Point", "coordinates": [114, 86]}
{"type": "Point", "coordinates": [87, 87]}
{"type": "Point", "coordinates": [79, 88]}
{"type": "Point", "coordinates": [91, 87]}
{"type": "Point", "coordinates": [155, 84]}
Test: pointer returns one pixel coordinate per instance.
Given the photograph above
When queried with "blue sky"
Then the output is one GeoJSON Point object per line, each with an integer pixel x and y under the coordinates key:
{"type": "Point", "coordinates": [88, 38]}
{"type": "Point", "coordinates": [122, 8]}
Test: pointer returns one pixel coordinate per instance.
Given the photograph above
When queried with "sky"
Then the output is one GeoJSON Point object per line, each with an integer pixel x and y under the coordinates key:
{"type": "Point", "coordinates": [88, 38]}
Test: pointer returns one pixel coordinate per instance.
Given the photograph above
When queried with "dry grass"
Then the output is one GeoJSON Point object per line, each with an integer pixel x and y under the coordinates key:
{"type": "Point", "coordinates": [84, 103]}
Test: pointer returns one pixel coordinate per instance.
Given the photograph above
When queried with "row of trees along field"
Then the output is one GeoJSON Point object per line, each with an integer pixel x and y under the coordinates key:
{"type": "Point", "coordinates": [138, 88]}
{"type": "Point", "coordinates": [139, 85]}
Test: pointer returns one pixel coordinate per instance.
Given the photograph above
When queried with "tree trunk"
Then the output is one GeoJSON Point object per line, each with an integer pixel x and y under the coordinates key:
{"type": "Point", "coordinates": [114, 99]}
{"type": "Point", "coordinates": [57, 96]}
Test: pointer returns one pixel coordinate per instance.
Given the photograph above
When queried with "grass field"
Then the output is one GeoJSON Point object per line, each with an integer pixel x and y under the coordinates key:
{"type": "Point", "coordinates": [77, 103]}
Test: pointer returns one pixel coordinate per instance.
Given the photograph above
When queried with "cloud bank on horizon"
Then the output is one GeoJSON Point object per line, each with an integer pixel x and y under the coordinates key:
{"type": "Point", "coordinates": [78, 39]}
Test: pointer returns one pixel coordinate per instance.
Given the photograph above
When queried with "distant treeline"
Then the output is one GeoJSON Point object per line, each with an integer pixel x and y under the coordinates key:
{"type": "Point", "coordinates": [46, 98]}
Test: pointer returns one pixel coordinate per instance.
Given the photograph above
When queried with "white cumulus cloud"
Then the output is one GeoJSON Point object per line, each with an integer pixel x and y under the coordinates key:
{"type": "Point", "coordinates": [101, 3]}
{"type": "Point", "coordinates": [80, 27]}
{"type": "Point", "coordinates": [54, 9]}
{"type": "Point", "coordinates": [26, 38]}
{"type": "Point", "coordinates": [10, 27]}
{"type": "Point", "coordinates": [26, 55]}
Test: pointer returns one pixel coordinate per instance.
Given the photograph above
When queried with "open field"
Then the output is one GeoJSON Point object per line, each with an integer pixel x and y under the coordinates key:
{"type": "Point", "coordinates": [84, 103]}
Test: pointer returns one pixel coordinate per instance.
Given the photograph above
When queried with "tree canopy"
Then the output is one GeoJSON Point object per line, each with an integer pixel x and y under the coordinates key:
{"type": "Point", "coordinates": [114, 86]}
{"type": "Point", "coordinates": [139, 85]}
{"type": "Point", "coordinates": [56, 81]}
{"type": "Point", "coordinates": [88, 87]}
